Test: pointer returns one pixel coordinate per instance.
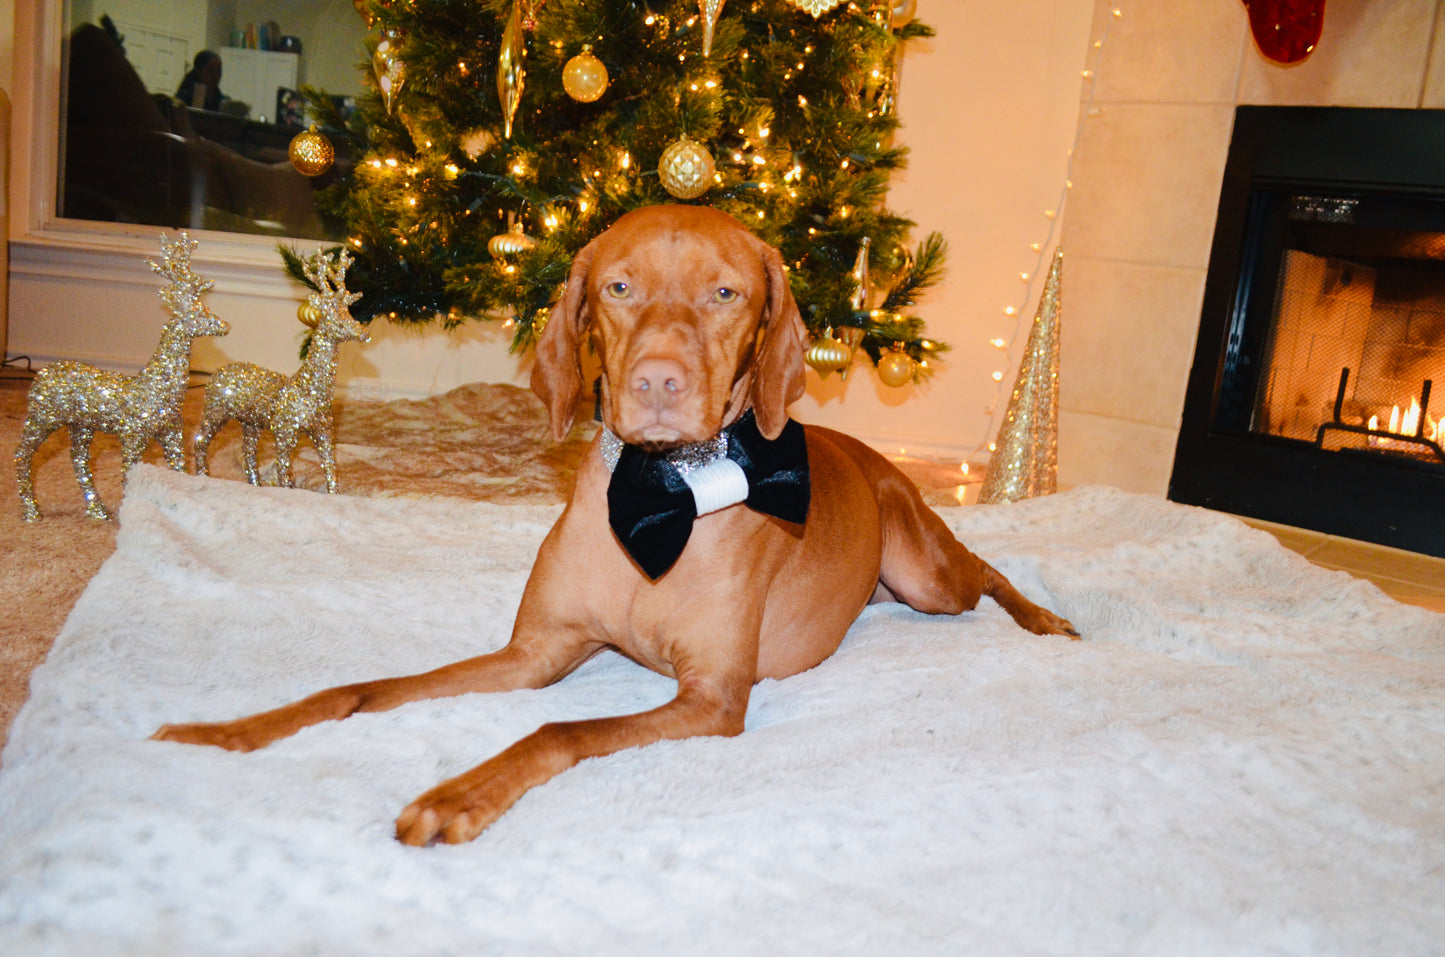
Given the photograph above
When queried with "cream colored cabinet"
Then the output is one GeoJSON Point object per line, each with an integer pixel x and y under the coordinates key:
{"type": "Point", "coordinates": [254, 76]}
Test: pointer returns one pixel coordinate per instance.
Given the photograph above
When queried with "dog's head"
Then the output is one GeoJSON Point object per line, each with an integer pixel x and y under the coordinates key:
{"type": "Point", "coordinates": [693, 322]}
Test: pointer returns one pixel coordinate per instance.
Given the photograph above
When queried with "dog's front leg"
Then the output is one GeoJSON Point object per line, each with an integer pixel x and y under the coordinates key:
{"type": "Point", "coordinates": [461, 808]}
{"type": "Point", "coordinates": [519, 665]}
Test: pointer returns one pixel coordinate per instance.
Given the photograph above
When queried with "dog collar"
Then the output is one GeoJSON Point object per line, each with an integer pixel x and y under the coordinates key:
{"type": "Point", "coordinates": [653, 498]}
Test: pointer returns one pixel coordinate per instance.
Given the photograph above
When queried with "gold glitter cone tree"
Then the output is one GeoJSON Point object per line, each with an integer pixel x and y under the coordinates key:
{"type": "Point", "coordinates": [795, 111]}
{"type": "Point", "coordinates": [1025, 458]}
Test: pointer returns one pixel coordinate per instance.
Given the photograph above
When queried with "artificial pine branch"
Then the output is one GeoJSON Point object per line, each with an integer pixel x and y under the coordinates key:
{"type": "Point", "coordinates": [927, 270]}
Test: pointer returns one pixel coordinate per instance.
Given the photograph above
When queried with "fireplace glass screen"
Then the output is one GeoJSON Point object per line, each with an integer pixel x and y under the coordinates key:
{"type": "Point", "coordinates": [1357, 340]}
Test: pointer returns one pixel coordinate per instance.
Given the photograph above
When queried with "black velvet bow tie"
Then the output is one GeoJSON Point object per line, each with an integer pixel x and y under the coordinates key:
{"type": "Point", "coordinates": [651, 508]}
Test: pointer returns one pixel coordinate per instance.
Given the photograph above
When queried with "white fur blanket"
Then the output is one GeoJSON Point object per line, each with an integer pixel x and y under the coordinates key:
{"type": "Point", "coordinates": [1246, 755]}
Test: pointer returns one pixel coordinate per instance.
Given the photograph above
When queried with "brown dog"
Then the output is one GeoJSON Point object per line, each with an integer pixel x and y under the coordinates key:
{"type": "Point", "coordinates": [695, 326]}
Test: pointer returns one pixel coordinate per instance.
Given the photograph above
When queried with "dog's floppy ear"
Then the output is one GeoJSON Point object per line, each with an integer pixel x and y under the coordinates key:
{"type": "Point", "coordinates": [778, 369]}
{"type": "Point", "coordinates": [557, 373]}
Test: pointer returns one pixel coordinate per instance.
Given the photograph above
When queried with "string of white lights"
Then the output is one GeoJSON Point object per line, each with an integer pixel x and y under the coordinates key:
{"type": "Point", "coordinates": [1042, 248]}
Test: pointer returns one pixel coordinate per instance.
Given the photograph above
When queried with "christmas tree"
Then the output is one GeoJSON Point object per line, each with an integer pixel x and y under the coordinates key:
{"type": "Point", "coordinates": [505, 134]}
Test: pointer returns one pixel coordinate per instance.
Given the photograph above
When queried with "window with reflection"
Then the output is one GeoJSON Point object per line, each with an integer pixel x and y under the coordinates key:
{"type": "Point", "coordinates": [179, 113]}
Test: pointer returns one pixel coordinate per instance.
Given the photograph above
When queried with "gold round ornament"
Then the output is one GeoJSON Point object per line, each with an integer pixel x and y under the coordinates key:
{"type": "Point", "coordinates": [309, 315]}
{"type": "Point", "coordinates": [827, 354]}
{"type": "Point", "coordinates": [585, 77]}
{"type": "Point", "coordinates": [686, 168]}
{"type": "Point", "coordinates": [895, 368]}
{"type": "Point", "coordinates": [512, 241]}
{"type": "Point", "coordinates": [311, 152]}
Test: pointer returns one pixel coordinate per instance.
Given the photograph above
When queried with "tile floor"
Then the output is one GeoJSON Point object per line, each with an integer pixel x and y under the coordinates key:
{"type": "Point", "coordinates": [1405, 576]}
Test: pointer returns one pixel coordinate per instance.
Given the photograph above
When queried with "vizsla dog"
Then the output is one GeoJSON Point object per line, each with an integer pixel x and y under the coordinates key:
{"type": "Point", "coordinates": [709, 537]}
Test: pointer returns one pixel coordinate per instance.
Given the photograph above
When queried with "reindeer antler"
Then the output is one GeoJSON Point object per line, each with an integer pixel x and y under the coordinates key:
{"type": "Point", "coordinates": [186, 285]}
{"type": "Point", "coordinates": [329, 277]}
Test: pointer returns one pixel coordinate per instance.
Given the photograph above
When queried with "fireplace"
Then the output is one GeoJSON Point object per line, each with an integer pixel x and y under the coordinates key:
{"type": "Point", "coordinates": [1318, 387]}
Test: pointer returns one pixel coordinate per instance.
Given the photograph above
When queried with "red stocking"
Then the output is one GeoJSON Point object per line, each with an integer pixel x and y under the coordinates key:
{"type": "Point", "coordinates": [1286, 30]}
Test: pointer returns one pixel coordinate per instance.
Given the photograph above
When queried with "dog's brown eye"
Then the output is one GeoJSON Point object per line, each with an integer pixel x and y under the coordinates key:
{"type": "Point", "coordinates": [618, 290]}
{"type": "Point", "coordinates": [725, 295]}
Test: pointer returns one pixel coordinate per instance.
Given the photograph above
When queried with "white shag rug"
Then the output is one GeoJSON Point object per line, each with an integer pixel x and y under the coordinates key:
{"type": "Point", "coordinates": [1245, 755]}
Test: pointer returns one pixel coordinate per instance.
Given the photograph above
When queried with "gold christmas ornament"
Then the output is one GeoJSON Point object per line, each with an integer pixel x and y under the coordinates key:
{"type": "Point", "coordinates": [311, 153]}
{"type": "Point", "coordinates": [289, 406]}
{"type": "Point", "coordinates": [859, 299]}
{"type": "Point", "coordinates": [530, 10]}
{"type": "Point", "coordinates": [86, 400]}
{"type": "Point", "coordinates": [309, 315]}
{"type": "Point", "coordinates": [585, 77]}
{"type": "Point", "coordinates": [905, 259]}
{"type": "Point", "coordinates": [1025, 458]}
{"type": "Point", "coordinates": [816, 7]}
{"type": "Point", "coordinates": [852, 337]}
{"type": "Point", "coordinates": [686, 168]}
{"type": "Point", "coordinates": [477, 142]}
{"type": "Point", "coordinates": [828, 354]}
{"type": "Point", "coordinates": [512, 241]}
{"type": "Point", "coordinates": [853, 80]}
{"type": "Point", "coordinates": [895, 368]}
{"type": "Point", "coordinates": [710, 10]}
{"type": "Point", "coordinates": [389, 67]}
{"type": "Point", "coordinates": [511, 77]}
{"type": "Point", "coordinates": [903, 12]}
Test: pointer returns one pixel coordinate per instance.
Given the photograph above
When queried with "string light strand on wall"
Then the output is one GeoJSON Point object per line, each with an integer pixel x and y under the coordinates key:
{"type": "Point", "coordinates": [1043, 247]}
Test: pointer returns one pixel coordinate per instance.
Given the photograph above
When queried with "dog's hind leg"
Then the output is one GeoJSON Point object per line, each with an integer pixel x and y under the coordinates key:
{"type": "Point", "coordinates": [927, 568]}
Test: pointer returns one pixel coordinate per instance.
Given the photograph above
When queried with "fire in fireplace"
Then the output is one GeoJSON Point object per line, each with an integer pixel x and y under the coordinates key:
{"type": "Point", "coordinates": [1352, 309]}
{"type": "Point", "coordinates": [1313, 400]}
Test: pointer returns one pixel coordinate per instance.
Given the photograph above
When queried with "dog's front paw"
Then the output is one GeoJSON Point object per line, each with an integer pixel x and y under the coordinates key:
{"type": "Point", "coordinates": [454, 811]}
{"type": "Point", "coordinates": [240, 735]}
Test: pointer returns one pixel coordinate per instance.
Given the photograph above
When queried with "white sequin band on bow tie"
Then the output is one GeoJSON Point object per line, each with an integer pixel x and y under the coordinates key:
{"type": "Point", "coordinates": [715, 480]}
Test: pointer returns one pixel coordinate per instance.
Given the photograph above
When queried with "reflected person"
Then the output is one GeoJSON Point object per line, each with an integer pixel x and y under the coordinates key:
{"type": "Point", "coordinates": [202, 86]}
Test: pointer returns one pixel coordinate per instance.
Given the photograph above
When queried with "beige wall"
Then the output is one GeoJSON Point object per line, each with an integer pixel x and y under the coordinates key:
{"type": "Point", "coordinates": [1147, 175]}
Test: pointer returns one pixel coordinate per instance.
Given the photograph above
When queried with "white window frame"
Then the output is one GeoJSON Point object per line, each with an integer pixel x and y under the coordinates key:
{"type": "Point", "coordinates": [35, 169]}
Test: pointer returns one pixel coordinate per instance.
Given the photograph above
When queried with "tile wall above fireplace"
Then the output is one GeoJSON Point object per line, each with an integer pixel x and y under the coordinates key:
{"type": "Point", "coordinates": [1147, 174]}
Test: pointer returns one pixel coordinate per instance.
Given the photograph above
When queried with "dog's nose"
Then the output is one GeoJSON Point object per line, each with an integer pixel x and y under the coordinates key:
{"type": "Point", "coordinates": [659, 382]}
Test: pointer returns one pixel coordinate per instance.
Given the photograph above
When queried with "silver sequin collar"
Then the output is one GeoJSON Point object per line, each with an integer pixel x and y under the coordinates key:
{"type": "Point", "coordinates": [685, 459]}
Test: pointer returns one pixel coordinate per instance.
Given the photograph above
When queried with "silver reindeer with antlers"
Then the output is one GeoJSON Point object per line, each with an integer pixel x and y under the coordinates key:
{"type": "Point", "coordinates": [260, 398]}
{"type": "Point", "coordinates": [138, 408]}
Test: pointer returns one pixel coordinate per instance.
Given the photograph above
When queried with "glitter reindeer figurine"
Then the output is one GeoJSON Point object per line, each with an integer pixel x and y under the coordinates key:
{"type": "Point", "coordinates": [138, 408]}
{"type": "Point", "coordinates": [260, 398]}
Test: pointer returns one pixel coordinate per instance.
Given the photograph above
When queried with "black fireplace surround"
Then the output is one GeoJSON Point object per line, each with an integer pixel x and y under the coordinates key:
{"type": "Point", "coordinates": [1348, 193]}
